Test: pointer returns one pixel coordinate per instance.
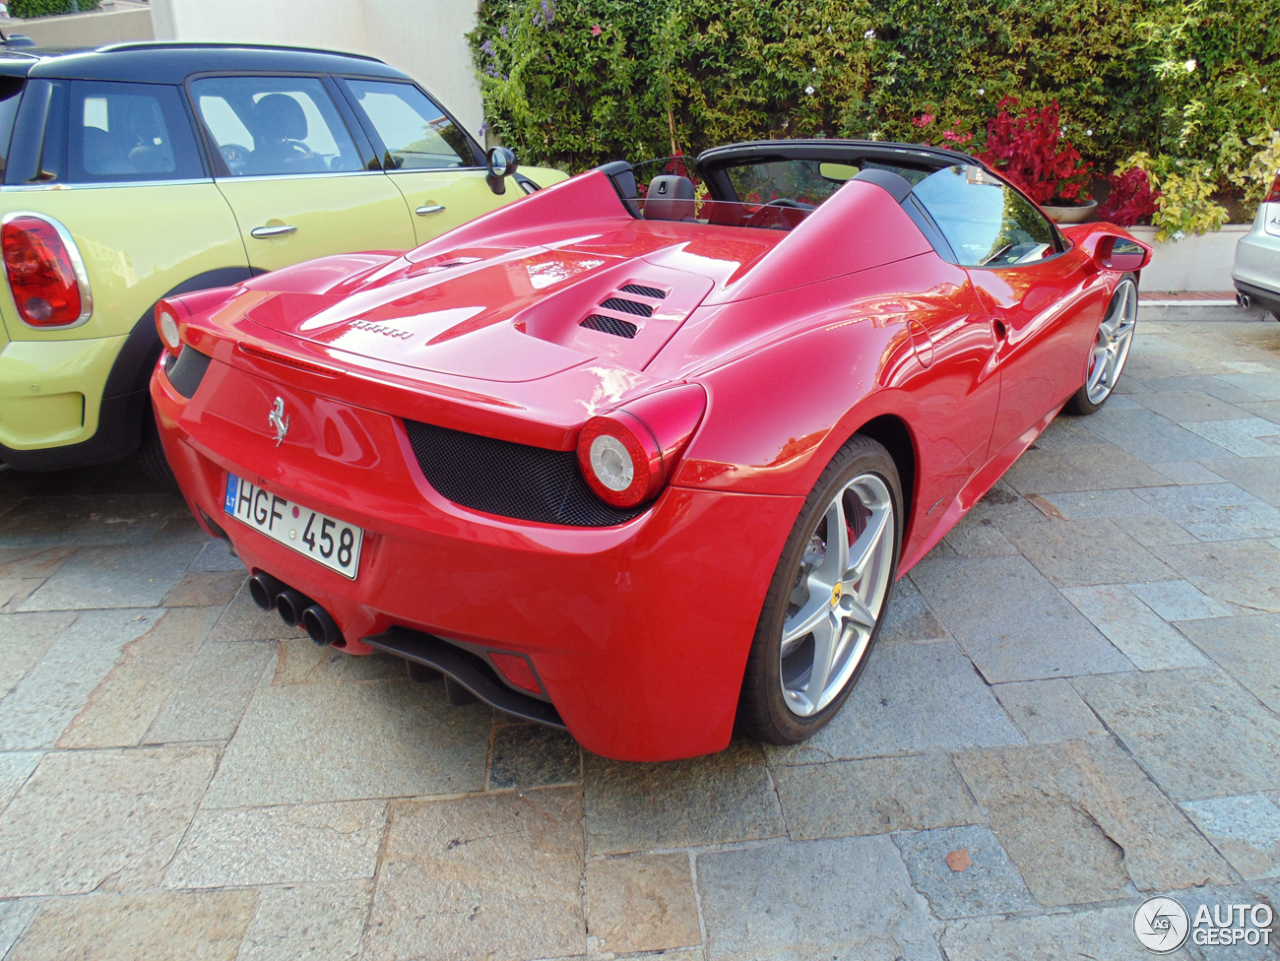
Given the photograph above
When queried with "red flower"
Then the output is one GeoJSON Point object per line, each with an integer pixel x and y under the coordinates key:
{"type": "Point", "coordinates": [1131, 199]}
{"type": "Point", "coordinates": [923, 120]}
{"type": "Point", "coordinates": [595, 30]}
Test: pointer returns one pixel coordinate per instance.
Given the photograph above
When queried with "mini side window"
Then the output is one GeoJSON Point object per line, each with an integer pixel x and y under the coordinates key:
{"type": "Point", "coordinates": [122, 132]}
{"type": "Point", "coordinates": [269, 126]}
{"type": "Point", "coordinates": [417, 134]}
{"type": "Point", "coordinates": [987, 222]}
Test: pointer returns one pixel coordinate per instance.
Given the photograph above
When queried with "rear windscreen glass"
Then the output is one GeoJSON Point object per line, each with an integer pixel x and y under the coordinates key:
{"type": "Point", "coordinates": [10, 94]}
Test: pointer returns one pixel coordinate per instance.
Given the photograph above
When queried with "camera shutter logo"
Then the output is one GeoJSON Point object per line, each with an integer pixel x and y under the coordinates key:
{"type": "Point", "coordinates": [1161, 925]}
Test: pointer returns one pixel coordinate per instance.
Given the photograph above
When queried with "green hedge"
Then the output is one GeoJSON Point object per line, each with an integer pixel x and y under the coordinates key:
{"type": "Point", "coordinates": [26, 9]}
{"type": "Point", "coordinates": [580, 82]}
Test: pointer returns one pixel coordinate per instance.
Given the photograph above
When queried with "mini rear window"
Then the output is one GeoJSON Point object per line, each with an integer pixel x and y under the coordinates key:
{"type": "Point", "coordinates": [10, 94]}
{"type": "Point", "coordinates": [121, 132]}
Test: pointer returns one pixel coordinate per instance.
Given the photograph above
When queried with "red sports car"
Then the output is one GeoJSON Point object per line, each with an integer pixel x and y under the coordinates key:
{"type": "Point", "coordinates": [644, 467]}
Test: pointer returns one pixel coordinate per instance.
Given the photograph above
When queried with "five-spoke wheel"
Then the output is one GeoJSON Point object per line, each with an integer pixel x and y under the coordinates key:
{"type": "Point", "coordinates": [1110, 348]}
{"type": "Point", "coordinates": [827, 597]}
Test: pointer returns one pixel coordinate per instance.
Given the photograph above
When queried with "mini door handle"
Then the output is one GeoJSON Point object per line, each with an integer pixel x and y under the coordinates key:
{"type": "Point", "coordinates": [429, 209]}
{"type": "Point", "coordinates": [263, 233]}
{"type": "Point", "coordinates": [1000, 330]}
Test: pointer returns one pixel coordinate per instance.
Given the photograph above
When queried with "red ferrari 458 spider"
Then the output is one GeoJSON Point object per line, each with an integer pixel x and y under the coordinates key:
{"type": "Point", "coordinates": [644, 467]}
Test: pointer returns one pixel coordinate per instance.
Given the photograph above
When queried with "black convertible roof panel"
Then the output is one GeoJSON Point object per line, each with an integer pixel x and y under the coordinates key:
{"type": "Point", "coordinates": [162, 62]}
{"type": "Point", "coordinates": [835, 151]}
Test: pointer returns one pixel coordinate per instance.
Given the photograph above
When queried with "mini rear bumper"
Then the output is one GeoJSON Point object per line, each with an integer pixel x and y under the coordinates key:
{"type": "Point", "coordinates": [638, 633]}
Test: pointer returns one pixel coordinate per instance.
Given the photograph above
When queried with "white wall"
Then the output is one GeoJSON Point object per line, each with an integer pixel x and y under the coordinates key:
{"type": "Point", "coordinates": [424, 38]}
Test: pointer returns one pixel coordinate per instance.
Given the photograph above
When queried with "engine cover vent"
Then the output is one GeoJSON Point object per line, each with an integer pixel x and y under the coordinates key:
{"type": "Point", "coordinates": [610, 325]}
{"type": "Point", "coordinates": [642, 291]}
{"type": "Point", "coordinates": [628, 307]}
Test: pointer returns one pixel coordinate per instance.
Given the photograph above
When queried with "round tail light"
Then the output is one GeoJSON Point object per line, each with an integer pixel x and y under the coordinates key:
{"type": "Point", "coordinates": [628, 455]}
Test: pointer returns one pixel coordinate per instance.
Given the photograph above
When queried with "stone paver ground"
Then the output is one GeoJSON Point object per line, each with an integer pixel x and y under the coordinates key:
{"type": "Point", "coordinates": [1073, 705]}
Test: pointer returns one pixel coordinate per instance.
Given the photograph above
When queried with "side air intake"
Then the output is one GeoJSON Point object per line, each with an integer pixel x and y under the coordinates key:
{"type": "Point", "coordinates": [610, 325]}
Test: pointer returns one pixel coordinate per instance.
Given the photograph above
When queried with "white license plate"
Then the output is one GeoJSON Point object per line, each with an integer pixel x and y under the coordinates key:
{"type": "Point", "coordinates": [331, 542]}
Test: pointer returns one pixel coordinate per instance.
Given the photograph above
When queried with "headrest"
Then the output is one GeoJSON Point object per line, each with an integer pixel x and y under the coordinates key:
{"type": "Point", "coordinates": [279, 116]}
{"type": "Point", "coordinates": [670, 197]}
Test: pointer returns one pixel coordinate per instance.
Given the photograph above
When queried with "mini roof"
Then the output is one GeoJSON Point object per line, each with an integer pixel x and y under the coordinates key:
{"type": "Point", "coordinates": [165, 62]}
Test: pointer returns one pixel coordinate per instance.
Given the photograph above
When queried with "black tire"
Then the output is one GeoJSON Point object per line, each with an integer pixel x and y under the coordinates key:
{"type": "Point", "coordinates": [1080, 404]}
{"type": "Point", "coordinates": [762, 708]}
{"type": "Point", "coordinates": [153, 458]}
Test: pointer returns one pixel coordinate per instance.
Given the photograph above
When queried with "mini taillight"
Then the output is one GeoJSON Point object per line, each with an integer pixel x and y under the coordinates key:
{"type": "Point", "coordinates": [628, 455]}
{"type": "Point", "coordinates": [46, 276]}
{"type": "Point", "coordinates": [1273, 195]}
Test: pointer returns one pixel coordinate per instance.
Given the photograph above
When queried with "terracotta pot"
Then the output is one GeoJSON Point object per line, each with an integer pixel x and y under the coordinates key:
{"type": "Point", "coordinates": [1073, 214]}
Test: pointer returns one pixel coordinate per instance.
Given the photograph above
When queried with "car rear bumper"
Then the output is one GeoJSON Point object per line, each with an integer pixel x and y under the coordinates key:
{"type": "Point", "coordinates": [638, 633]}
{"type": "Point", "coordinates": [1257, 262]}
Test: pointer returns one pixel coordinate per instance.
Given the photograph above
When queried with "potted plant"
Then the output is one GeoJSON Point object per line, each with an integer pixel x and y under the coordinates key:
{"type": "Point", "coordinates": [1029, 150]}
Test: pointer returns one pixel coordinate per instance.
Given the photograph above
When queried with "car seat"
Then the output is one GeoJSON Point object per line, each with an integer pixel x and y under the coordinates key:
{"type": "Point", "coordinates": [670, 197]}
{"type": "Point", "coordinates": [281, 128]}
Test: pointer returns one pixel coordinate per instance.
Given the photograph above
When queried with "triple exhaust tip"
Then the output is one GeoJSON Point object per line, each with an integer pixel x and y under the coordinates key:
{"type": "Point", "coordinates": [295, 608]}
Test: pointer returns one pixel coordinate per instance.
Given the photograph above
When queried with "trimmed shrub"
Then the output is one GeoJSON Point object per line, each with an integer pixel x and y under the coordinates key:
{"type": "Point", "coordinates": [27, 9]}
{"type": "Point", "coordinates": [580, 82]}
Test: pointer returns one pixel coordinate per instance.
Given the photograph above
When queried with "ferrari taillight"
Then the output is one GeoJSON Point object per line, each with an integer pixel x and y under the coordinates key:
{"type": "Point", "coordinates": [1273, 195]}
{"type": "Point", "coordinates": [629, 454]}
{"type": "Point", "coordinates": [46, 275]}
{"type": "Point", "coordinates": [167, 327]}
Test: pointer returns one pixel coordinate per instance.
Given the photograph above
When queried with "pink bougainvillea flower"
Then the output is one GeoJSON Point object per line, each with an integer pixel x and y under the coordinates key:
{"type": "Point", "coordinates": [595, 30]}
{"type": "Point", "coordinates": [923, 120]}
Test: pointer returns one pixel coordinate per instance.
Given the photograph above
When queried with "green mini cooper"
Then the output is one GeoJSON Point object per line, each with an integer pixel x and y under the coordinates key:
{"type": "Point", "coordinates": [138, 171]}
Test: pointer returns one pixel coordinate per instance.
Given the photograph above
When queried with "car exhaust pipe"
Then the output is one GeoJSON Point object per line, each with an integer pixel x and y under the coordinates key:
{"type": "Point", "coordinates": [291, 604]}
{"type": "Point", "coordinates": [322, 628]}
{"type": "Point", "coordinates": [264, 589]}
{"type": "Point", "coordinates": [1244, 300]}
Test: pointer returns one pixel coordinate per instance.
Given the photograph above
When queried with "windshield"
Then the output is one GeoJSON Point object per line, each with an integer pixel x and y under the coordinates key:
{"type": "Point", "coordinates": [777, 215]}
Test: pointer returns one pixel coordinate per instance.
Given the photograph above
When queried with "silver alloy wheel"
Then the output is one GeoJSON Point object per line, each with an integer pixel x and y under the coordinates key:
{"type": "Point", "coordinates": [1111, 347]}
{"type": "Point", "coordinates": [838, 594]}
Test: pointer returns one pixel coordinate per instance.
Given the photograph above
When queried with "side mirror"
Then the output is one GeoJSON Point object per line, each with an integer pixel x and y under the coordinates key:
{"type": "Point", "coordinates": [502, 164]}
{"type": "Point", "coordinates": [1121, 253]}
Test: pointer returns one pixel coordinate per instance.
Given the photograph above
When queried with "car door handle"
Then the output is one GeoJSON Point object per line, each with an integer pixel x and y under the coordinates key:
{"type": "Point", "coordinates": [429, 209]}
{"type": "Point", "coordinates": [263, 233]}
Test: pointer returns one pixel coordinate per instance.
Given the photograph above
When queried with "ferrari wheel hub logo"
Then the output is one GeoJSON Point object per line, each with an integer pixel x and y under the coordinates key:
{"type": "Point", "coordinates": [836, 593]}
{"type": "Point", "coordinates": [277, 420]}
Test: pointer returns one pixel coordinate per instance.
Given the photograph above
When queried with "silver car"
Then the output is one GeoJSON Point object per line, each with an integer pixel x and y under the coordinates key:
{"type": "Point", "coordinates": [1257, 270]}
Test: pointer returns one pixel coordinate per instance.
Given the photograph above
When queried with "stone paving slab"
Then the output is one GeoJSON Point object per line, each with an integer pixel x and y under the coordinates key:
{"type": "Point", "coordinates": [328, 742]}
{"type": "Point", "coordinates": [1086, 552]}
{"type": "Point", "coordinates": [910, 698]}
{"type": "Point", "coordinates": [24, 639]}
{"type": "Point", "coordinates": [1048, 711]}
{"type": "Point", "coordinates": [279, 845]}
{"type": "Point", "coordinates": [207, 926]}
{"type": "Point", "coordinates": [39, 708]}
{"type": "Point", "coordinates": [1012, 622]}
{"type": "Point", "coordinates": [1246, 830]}
{"type": "Point", "coordinates": [1101, 934]}
{"type": "Point", "coordinates": [100, 820]}
{"type": "Point", "coordinates": [717, 799]}
{"type": "Point", "coordinates": [496, 876]}
{"type": "Point", "coordinates": [1216, 512]}
{"type": "Point", "coordinates": [983, 880]}
{"type": "Point", "coordinates": [1090, 799]}
{"type": "Point", "coordinates": [1245, 573]}
{"type": "Point", "coordinates": [642, 903]}
{"type": "Point", "coordinates": [850, 897]}
{"type": "Point", "coordinates": [308, 922]}
{"type": "Point", "coordinates": [1196, 732]}
{"type": "Point", "coordinates": [873, 796]}
{"type": "Point", "coordinates": [1246, 648]}
{"type": "Point", "coordinates": [100, 577]}
{"type": "Point", "coordinates": [1141, 635]}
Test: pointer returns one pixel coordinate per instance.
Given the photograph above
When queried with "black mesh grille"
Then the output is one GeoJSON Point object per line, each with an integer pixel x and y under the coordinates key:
{"type": "Point", "coordinates": [611, 325]}
{"type": "Point", "coordinates": [653, 292]}
{"type": "Point", "coordinates": [186, 371]}
{"type": "Point", "coordinates": [628, 307]}
{"type": "Point", "coordinates": [510, 480]}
